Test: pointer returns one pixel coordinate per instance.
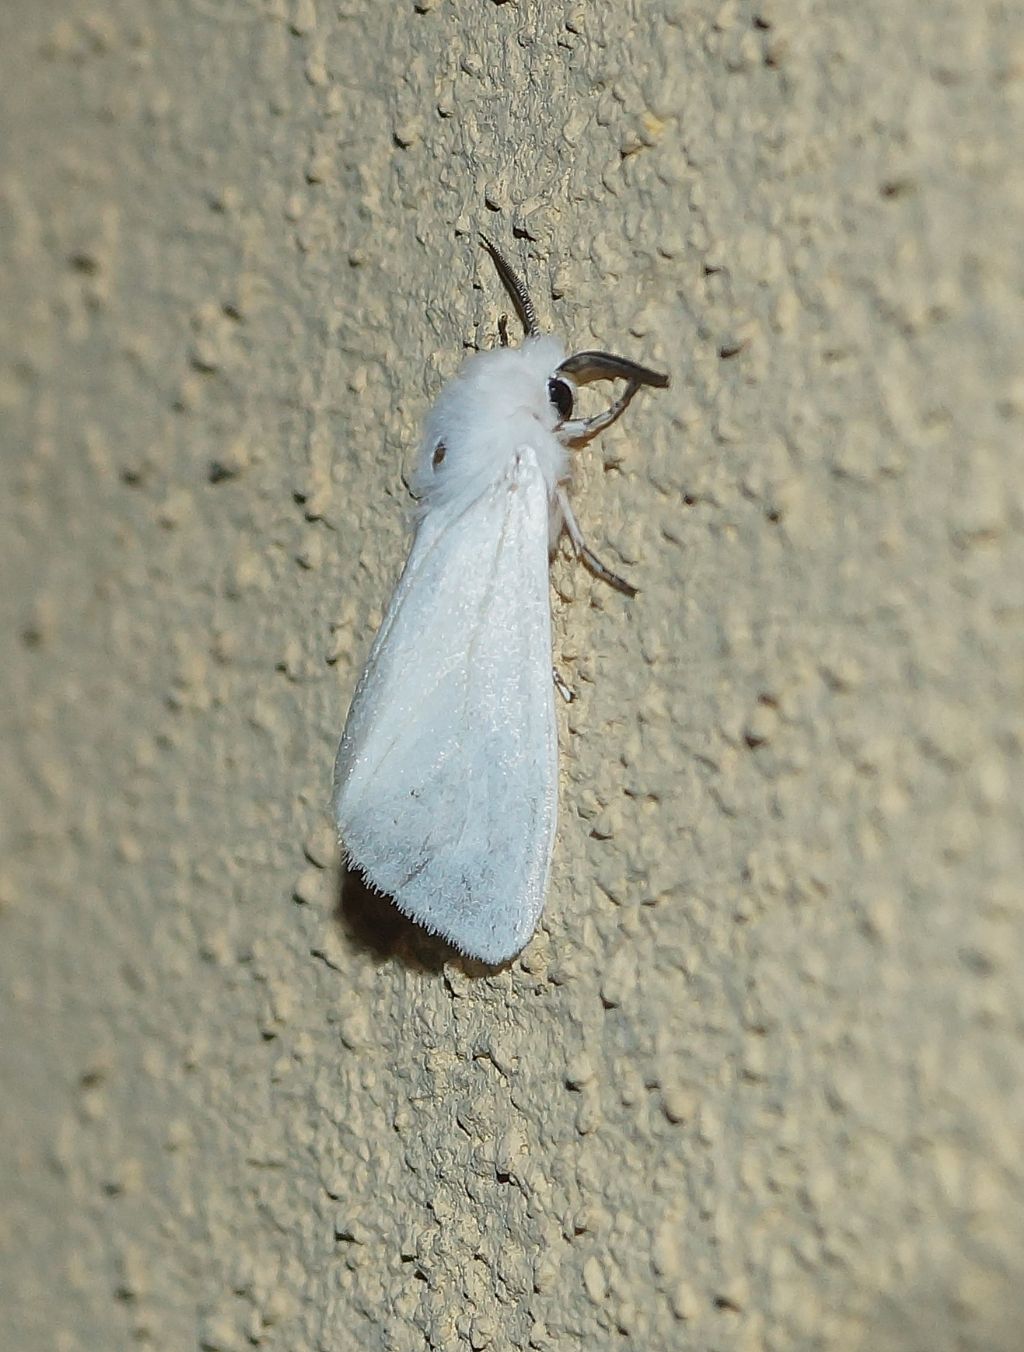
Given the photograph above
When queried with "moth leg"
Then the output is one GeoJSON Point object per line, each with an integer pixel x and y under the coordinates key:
{"type": "Point", "coordinates": [582, 429]}
{"type": "Point", "coordinates": [561, 686]}
{"type": "Point", "coordinates": [583, 551]}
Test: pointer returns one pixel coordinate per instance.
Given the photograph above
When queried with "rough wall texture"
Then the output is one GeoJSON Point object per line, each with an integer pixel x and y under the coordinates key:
{"type": "Point", "coordinates": [757, 1081]}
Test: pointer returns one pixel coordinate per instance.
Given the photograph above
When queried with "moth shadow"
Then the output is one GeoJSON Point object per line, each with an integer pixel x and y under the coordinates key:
{"type": "Point", "coordinates": [371, 921]}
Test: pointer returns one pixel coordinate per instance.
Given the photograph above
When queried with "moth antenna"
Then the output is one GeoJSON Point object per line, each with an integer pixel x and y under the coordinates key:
{"type": "Point", "coordinates": [515, 288]}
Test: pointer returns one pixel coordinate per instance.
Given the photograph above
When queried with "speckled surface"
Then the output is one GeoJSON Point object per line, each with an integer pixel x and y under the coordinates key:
{"type": "Point", "coordinates": [757, 1081]}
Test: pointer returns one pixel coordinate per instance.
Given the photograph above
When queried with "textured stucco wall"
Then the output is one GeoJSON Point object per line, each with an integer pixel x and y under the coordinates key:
{"type": "Point", "coordinates": [757, 1081]}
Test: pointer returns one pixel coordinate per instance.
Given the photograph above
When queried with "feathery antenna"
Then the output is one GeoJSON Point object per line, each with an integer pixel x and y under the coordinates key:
{"type": "Point", "coordinates": [515, 288]}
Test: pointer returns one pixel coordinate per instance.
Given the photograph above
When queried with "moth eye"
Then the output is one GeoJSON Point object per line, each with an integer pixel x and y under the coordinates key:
{"type": "Point", "coordinates": [560, 395]}
{"type": "Point", "coordinates": [440, 450]}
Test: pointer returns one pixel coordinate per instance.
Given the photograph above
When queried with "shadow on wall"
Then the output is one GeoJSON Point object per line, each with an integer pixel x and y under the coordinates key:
{"type": "Point", "coordinates": [373, 923]}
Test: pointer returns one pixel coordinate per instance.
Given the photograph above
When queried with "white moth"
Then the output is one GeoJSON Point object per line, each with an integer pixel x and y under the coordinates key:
{"type": "Point", "coordinates": [446, 780]}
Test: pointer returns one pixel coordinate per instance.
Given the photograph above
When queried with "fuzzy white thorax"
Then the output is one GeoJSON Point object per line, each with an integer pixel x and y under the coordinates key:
{"type": "Point", "coordinates": [497, 404]}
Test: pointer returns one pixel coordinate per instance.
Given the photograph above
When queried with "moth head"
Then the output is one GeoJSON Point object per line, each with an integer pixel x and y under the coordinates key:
{"type": "Point", "coordinates": [579, 369]}
{"type": "Point", "coordinates": [516, 396]}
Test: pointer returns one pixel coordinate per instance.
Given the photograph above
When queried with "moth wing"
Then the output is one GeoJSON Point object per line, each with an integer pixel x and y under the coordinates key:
{"type": "Point", "coordinates": [446, 776]}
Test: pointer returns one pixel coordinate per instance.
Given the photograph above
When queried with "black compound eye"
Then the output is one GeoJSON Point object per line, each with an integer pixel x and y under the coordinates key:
{"type": "Point", "coordinates": [560, 394]}
{"type": "Point", "coordinates": [440, 450]}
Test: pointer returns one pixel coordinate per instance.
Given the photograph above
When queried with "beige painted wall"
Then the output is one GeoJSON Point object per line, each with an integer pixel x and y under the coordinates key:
{"type": "Point", "coordinates": [757, 1082]}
